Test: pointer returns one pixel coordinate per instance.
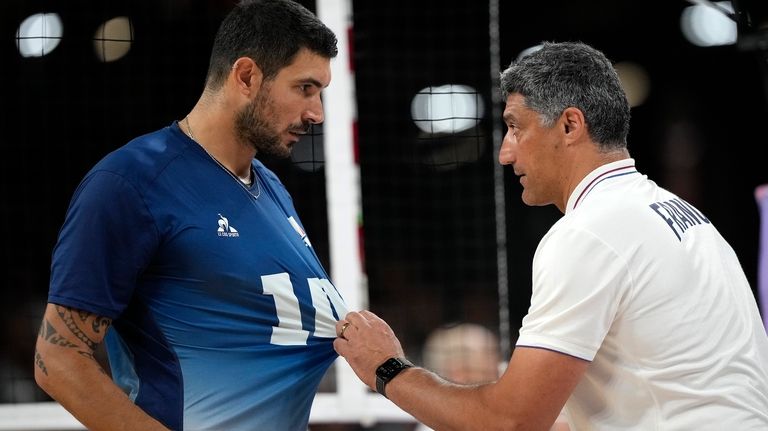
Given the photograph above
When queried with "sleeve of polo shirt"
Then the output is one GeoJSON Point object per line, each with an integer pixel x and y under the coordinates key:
{"type": "Point", "coordinates": [106, 241]}
{"type": "Point", "coordinates": [578, 285]}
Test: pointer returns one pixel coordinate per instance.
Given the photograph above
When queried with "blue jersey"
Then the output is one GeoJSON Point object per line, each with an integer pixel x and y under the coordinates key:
{"type": "Point", "coordinates": [223, 316]}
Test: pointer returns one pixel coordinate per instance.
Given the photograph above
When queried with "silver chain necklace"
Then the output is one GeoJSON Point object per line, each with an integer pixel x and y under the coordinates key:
{"type": "Point", "coordinates": [224, 168]}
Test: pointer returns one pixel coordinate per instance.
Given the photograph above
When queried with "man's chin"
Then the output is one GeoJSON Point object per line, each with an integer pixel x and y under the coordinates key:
{"type": "Point", "coordinates": [286, 150]}
{"type": "Point", "coordinates": [280, 152]}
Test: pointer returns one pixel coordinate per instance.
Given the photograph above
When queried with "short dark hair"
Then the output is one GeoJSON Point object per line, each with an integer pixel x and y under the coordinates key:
{"type": "Point", "coordinates": [271, 33]}
{"type": "Point", "coordinates": [572, 74]}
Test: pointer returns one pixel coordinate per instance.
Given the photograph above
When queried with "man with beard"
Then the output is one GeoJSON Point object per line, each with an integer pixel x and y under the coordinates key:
{"type": "Point", "coordinates": [186, 256]}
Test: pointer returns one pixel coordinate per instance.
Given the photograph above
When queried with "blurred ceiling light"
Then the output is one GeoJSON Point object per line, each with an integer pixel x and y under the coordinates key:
{"type": "Point", "coordinates": [447, 109]}
{"type": "Point", "coordinates": [113, 39]}
{"type": "Point", "coordinates": [704, 25]}
{"type": "Point", "coordinates": [39, 34]}
{"type": "Point", "coordinates": [634, 79]}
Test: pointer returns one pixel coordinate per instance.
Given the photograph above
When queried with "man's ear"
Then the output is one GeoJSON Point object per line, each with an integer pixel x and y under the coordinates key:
{"type": "Point", "coordinates": [573, 124]}
{"type": "Point", "coordinates": [246, 76]}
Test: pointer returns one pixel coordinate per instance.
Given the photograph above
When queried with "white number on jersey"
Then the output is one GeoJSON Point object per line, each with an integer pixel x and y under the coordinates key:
{"type": "Point", "coordinates": [288, 331]}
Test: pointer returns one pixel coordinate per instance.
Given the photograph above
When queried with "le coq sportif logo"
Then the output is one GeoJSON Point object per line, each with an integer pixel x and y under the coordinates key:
{"type": "Point", "coordinates": [225, 229]}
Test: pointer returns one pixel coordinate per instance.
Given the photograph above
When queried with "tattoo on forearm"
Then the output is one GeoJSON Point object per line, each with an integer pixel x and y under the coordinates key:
{"type": "Point", "coordinates": [74, 320]}
{"type": "Point", "coordinates": [66, 316]}
{"type": "Point", "coordinates": [88, 355]}
{"type": "Point", "coordinates": [91, 356]}
{"type": "Point", "coordinates": [49, 334]}
{"type": "Point", "coordinates": [39, 362]}
{"type": "Point", "coordinates": [100, 322]}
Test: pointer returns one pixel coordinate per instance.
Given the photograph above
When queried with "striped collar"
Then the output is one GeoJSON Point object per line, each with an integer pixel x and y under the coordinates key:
{"type": "Point", "coordinates": [602, 173]}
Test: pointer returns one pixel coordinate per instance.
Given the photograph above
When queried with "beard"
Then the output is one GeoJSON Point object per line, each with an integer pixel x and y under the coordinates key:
{"type": "Point", "coordinates": [252, 127]}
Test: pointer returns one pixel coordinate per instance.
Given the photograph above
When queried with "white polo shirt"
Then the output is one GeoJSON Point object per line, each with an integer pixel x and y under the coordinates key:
{"type": "Point", "coordinates": [640, 282]}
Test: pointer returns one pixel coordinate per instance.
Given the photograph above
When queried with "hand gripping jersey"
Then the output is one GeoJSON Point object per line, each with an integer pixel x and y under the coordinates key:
{"type": "Point", "coordinates": [640, 283]}
{"type": "Point", "coordinates": [223, 316]}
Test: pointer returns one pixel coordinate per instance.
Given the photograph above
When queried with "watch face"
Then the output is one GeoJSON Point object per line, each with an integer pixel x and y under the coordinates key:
{"type": "Point", "coordinates": [387, 371]}
{"type": "Point", "coordinates": [390, 368]}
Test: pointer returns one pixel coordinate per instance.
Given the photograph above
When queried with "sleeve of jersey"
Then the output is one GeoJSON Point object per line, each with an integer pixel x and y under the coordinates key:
{"type": "Point", "coordinates": [105, 243]}
{"type": "Point", "coordinates": [578, 286]}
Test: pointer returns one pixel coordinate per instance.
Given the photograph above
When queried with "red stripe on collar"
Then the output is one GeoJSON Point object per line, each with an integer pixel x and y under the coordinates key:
{"type": "Point", "coordinates": [600, 177]}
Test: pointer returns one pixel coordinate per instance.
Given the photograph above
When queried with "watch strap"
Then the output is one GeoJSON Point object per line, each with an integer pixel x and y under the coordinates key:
{"type": "Point", "coordinates": [381, 386]}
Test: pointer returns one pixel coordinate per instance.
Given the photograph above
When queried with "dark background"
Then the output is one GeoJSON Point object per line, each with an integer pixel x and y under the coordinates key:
{"type": "Point", "coordinates": [430, 244]}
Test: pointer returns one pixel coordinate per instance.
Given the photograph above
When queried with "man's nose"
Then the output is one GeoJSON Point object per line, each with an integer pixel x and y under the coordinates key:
{"type": "Point", "coordinates": [314, 112]}
{"type": "Point", "coordinates": [506, 156]}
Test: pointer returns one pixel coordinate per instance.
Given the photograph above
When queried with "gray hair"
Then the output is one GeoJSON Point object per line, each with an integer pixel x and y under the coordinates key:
{"type": "Point", "coordinates": [572, 74]}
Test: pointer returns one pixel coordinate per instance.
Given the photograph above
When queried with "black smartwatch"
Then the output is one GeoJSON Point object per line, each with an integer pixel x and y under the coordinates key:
{"type": "Point", "coordinates": [388, 370]}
